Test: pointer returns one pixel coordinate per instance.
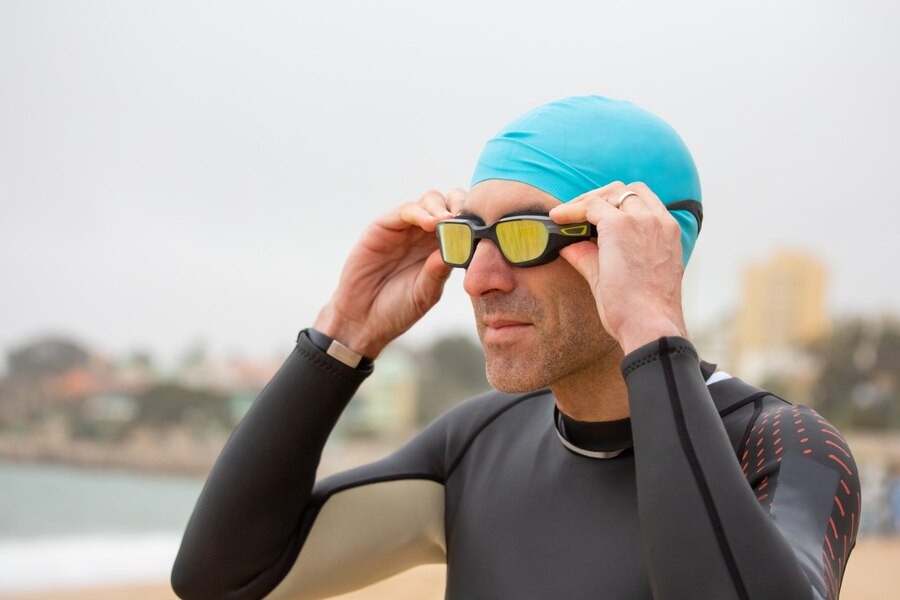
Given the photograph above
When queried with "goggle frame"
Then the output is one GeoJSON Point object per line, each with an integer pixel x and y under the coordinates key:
{"type": "Point", "coordinates": [559, 236]}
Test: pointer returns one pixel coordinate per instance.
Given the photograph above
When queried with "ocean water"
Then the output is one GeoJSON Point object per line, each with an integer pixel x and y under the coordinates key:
{"type": "Point", "coordinates": [63, 527]}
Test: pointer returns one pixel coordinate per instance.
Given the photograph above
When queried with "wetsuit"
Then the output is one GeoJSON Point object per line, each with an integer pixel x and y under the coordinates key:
{"type": "Point", "coordinates": [713, 489]}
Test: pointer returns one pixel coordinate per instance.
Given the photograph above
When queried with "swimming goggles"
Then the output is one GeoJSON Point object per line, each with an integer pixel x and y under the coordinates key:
{"type": "Point", "coordinates": [524, 240]}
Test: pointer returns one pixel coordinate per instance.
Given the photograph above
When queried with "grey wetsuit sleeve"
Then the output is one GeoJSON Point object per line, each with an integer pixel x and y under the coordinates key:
{"type": "Point", "coordinates": [259, 507]}
{"type": "Point", "coordinates": [709, 526]}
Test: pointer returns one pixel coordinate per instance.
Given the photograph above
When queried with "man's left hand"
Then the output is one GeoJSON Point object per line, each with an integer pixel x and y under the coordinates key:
{"type": "Point", "coordinates": [635, 268]}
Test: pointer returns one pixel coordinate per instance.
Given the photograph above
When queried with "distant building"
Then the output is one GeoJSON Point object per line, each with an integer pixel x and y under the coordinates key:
{"type": "Point", "coordinates": [783, 309]}
{"type": "Point", "coordinates": [715, 342]}
{"type": "Point", "coordinates": [386, 403]}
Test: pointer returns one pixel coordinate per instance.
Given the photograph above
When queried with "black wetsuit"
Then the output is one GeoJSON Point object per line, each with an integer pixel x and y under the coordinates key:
{"type": "Point", "coordinates": [709, 491]}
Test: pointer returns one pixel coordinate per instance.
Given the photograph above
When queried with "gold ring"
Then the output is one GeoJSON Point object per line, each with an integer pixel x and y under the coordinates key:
{"type": "Point", "coordinates": [618, 201]}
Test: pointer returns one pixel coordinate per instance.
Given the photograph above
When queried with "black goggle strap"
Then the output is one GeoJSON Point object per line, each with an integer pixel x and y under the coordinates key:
{"type": "Point", "coordinates": [691, 206]}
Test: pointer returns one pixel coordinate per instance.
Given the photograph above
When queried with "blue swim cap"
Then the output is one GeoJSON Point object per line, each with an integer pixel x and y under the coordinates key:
{"type": "Point", "coordinates": [577, 144]}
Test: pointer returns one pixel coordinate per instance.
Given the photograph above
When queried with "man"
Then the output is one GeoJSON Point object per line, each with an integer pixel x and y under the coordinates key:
{"type": "Point", "coordinates": [639, 473]}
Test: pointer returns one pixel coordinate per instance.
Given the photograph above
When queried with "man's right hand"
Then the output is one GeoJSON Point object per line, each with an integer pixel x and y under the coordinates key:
{"type": "Point", "coordinates": [392, 277]}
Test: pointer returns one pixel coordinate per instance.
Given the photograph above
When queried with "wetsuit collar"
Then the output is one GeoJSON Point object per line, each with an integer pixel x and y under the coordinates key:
{"type": "Point", "coordinates": [609, 439]}
{"type": "Point", "coordinates": [605, 439]}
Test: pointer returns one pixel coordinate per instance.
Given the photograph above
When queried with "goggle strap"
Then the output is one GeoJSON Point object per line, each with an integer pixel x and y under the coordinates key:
{"type": "Point", "coordinates": [691, 206]}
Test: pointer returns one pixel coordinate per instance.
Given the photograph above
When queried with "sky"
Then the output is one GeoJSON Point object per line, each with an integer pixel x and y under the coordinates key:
{"type": "Point", "coordinates": [177, 174]}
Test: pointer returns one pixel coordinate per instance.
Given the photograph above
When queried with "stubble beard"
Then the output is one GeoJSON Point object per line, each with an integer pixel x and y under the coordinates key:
{"type": "Point", "coordinates": [552, 353]}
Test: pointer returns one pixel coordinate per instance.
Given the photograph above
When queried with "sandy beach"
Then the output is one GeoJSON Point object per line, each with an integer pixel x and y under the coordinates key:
{"type": "Point", "coordinates": [872, 574]}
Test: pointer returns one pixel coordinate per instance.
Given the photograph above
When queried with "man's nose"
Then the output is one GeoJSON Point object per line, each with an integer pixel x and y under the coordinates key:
{"type": "Point", "coordinates": [488, 271]}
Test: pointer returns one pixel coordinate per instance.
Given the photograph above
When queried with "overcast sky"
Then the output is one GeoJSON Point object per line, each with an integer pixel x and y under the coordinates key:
{"type": "Point", "coordinates": [179, 172]}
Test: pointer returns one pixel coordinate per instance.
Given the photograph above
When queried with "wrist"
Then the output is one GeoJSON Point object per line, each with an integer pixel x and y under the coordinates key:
{"type": "Point", "coordinates": [337, 351]}
{"type": "Point", "coordinates": [347, 333]}
{"type": "Point", "coordinates": [639, 332]}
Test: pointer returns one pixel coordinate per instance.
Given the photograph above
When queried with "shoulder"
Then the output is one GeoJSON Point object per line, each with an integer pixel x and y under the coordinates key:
{"type": "Point", "coordinates": [800, 430]}
{"type": "Point", "coordinates": [461, 424]}
{"type": "Point", "coordinates": [740, 405]}
{"type": "Point", "coordinates": [448, 437]}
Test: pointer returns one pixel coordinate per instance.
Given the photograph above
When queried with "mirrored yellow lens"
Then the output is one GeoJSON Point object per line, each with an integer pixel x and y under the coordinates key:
{"type": "Point", "coordinates": [522, 241]}
{"type": "Point", "coordinates": [456, 242]}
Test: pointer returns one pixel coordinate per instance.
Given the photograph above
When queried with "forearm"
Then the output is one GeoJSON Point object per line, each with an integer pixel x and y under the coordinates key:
{"type": "Point", "coordinates": [245, 524]}
{"type": "Point", "coordinates": [699, 516]}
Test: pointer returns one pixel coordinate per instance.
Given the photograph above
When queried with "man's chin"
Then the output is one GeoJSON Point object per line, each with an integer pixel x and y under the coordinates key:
{"type": "Point", "coordinates": [513, 380]}
{"type": "Point", "coordinates": [514, 389]}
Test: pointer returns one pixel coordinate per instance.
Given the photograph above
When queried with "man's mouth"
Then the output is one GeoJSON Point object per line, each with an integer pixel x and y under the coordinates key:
{"type": "Point", "coordinates": [497, 330]}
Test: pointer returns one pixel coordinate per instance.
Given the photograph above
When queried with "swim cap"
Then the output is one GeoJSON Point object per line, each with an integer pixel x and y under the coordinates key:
{"type": "Point", "coordinates": [578, 144]}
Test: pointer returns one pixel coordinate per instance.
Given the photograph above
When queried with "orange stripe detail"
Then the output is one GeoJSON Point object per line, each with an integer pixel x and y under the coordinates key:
{"type": "Point", "coordinates": [840, 506]}
{"type": "Point", "coordinates": [745, 455]}
{"type": "Point", "coordinates": [830, 551]}
{"type": "Point", "coordinates": [830, 443]}
{"type": "Point", "coordinates": [779, 451]}
{"type": "Point", "coordinates": [807, 452]}
{"type": "Point", "coordinates": [761, 450]}
{"type": "Point", "coordinates": [846, 489]}
{"type": "Point", "coordinates": [840, 462]}
{"type": "Point", "coordinates": [827, 563]}
{"type": "Point", "coordinates": [778, 441]}
{"type": "Point", "coordinates": [759, 442]}
{"type": "Point", "coordinates": [829, 432]}
{"type": "Point", "coordinates": [801, 430]}
{"type": "Point", "coordinates": [804, 440]}
{"type": "Point", "coordinates": [833, 528]}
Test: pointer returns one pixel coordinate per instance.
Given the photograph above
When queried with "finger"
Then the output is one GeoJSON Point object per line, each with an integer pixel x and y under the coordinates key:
{"type": "Point", "coordinates": [593, 209]}
{"type": "Point", "coordinates": [649, 199]}
{"type": "Point", "coordinates": [456, 199]}
{"type": "Point", "coordinates": [615, 185]}
{"type": "Point", "coordinates": [435, 267]}
{"type": "Point", "coordinates": [436, 204]}
{"type": "Point", "coordinates": [630, 201]}
{"type": "Point", "coordinates": [606, 193]}
{"type": "Point", "coordinates": [433, 276]}
{"type": "Point", "coordinates": [583, 256]}
{"type": "Point", "coordinates": [409, 214]}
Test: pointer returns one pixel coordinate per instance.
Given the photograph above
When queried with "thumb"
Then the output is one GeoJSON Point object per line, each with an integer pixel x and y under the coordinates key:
{"type": "Point", "coordinates": [433, 276]}
{"type": "Point", "coordinates": [583, 256]}
{"type": "Point", "coordinates": [436, 269]}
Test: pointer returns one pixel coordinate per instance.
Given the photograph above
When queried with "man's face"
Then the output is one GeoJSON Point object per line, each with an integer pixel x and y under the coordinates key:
{"type": "Point", "coordinates": [538, 325]}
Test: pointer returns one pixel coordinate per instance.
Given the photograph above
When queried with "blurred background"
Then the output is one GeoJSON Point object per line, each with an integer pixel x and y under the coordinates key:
{"type": "Point", "coordinates": [181, 181]}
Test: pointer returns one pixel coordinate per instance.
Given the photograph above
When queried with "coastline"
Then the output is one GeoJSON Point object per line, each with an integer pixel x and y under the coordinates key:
{"type": "Point", "coordinates": [173, 455]}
